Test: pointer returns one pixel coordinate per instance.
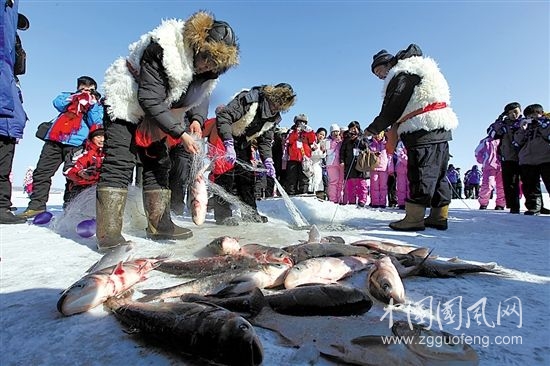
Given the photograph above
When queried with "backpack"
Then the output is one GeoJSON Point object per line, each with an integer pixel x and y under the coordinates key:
{"type": "Point", "coordinates": [482, 150]}
{"type": "Point", "coordinates": [366, 160]}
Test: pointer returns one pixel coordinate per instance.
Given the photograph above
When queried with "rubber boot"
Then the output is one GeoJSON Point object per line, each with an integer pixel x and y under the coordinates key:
{"type": "Point", "coordinates": [7, 217]}
{"type": "Point", "coordinates": [414, 219]}
{"type": "Point", "coordinates": [437, 218]}
{"type": "Point", "coordinates": [159, 223]}
{"type": "Point", "coordinates": [110, 203]}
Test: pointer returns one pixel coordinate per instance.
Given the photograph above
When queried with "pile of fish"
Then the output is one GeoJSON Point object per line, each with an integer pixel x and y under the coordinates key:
{"type": "Point", "coordinates": [212, 314]}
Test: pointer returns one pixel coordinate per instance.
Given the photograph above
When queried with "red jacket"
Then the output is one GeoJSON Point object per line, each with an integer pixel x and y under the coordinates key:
{"type": "Point", "coordinates": [295, 139]}
{"type": "Point", "coordinates": [86, 160]}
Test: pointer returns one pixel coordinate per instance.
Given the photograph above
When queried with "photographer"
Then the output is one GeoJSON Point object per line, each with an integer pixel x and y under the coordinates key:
{"type": "Point", "coordinates": [298, 145]}
{"type": "Point", "coordinates": [503, 129]}
{"type": "Point", "coordinates": [79, 112]}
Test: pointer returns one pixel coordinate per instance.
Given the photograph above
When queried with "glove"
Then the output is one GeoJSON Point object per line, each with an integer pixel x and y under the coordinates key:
{"type": "Point", "coordinates": [269, 168]}
{"type": "Point", "coordinates": [230, 154]}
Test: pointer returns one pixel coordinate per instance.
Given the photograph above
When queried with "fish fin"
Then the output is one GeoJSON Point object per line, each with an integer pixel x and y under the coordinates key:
{"type": "Point", "coordinates": [421, 252]}
{"type": "Point", "coordinates": [150, 295]}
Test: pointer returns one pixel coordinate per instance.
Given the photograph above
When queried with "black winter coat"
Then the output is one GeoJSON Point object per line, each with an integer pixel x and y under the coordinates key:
{"type": "Point", "coordinates": [348, 158]}
{"type": "Point", "coordinates": [152, 93]}
{"type": "Point", "coordinates": [237, 116]}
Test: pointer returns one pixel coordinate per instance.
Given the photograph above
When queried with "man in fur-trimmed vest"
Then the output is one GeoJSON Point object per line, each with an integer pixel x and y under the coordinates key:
{"type": "Point", "coordinates": [251, 115]}
{"type": "Point", "coordinates": [417, 106]}
{"type": "Point", "coordinates": [169, 72]}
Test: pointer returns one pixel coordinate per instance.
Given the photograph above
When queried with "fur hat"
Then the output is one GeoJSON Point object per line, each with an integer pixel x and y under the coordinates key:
{"type": "Point", "coordinates": [300, 118]}
{"type": "Point", "coordinates": [382, 57]}
{"type": "Point", "coordinates": [215, 37]}
{"type": "Point", "coordinates": [334, 127]}
{"type": "Point", "coordinates": [281, 95]}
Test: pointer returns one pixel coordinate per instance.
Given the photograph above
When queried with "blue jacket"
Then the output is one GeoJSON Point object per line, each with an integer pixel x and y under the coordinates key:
{"type": "Point", "coordinates": [94, 116]}
{"type": "Point", "coordinates": [12, 115]}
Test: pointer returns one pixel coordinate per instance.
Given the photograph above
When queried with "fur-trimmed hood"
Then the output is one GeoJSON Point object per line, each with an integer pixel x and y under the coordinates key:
{"type": "Point", "coordinates": [433, 88]}
{"type": "Point", "coordinates": [204, 34]}
{"type": "Point", "coordinates": [121, 87]}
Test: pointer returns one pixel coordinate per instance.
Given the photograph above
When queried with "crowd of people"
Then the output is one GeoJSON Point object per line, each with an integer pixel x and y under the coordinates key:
{"type": "Point", "coordinates": [154, 112]}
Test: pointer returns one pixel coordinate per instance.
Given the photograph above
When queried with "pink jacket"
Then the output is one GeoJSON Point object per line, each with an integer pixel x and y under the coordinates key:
{"type": "Point", "coordinates": [333, 152]}
{"type": "Point", "coordinates": [486, 153]}
{"type": "Point", "coordinates": [379, 148]}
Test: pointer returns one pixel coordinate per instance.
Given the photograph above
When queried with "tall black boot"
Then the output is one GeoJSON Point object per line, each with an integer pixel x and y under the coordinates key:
{"type": "Point", "coordinates": [159, 223]}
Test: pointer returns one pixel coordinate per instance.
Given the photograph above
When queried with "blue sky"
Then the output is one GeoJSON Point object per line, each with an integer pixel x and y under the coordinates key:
{"type": "Point", "coordinates": [491, 52]}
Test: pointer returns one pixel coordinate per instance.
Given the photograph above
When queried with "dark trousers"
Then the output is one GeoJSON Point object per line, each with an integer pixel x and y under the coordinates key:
{"type": "Point", "coordinates": [296, 180]}
{"type": "Point", "coordinates": [240, 179]}
{"type": "Point", "coordinates": [52, 156]}
{"type": "Point", "coordinates": [392, 190]}
{"type": "Point", "coordinates": [510, 180]}
{"type": "Point", "coordinates": [530, 178]}
{"type": "Point", "coordinates": [427, 174]}
{"type": "Point", "coordinates": [73, 190]}
{"type": "Point", "coordinates": [121, 155]}
{"type": "Point", "coordinates": [179, 176]}
{"type": "Point", "coordinates": [7, 149]}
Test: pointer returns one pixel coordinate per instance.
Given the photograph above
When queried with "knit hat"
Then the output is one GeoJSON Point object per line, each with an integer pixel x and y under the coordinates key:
{"type": "Point", "coordinates": [334, 127]}
{"type": "Point", "coordinates": [300, 118]}
{"type": "Point", "coordinates": [382, 57]}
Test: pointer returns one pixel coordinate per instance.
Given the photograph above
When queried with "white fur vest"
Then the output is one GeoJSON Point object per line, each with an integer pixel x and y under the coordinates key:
{"type": "Point", "coordinates": [121, 88]}
{"type": "Point", "coordinates": [432, 88]}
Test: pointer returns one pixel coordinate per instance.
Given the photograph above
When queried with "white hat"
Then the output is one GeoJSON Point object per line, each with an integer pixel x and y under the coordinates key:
{"type": "Point", "coordinates": [343, 128]}
{"type": "Point", "coordinates": [334, 127]}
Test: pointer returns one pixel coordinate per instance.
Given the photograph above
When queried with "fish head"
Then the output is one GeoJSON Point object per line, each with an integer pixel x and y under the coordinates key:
{"type": "Point", "coordinates": [276, 272]}
{"type": "Point", "coordinates": [279, 256]}
{"type": "Point", "coordinates": [241, 344]}
{"type": "Point", "coordinates": [384, 282]}
{"type": "Point", "coordinates": [224, 245]}
{"type": "Point", "coordinates": [83, 295]}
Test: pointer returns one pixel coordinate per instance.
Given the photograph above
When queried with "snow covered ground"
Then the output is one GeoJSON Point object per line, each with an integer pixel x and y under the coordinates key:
{"type": "Point", "coordinates": [506, 314]}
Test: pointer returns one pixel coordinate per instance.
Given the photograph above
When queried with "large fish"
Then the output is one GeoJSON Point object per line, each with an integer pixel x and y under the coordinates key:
{"type": "Point", "coordinates": [198, 329]}
{"type": "Point", "coordinates": [247, 305]}
{"type": "Point", "coordinates": [208, 266]}
{"type": "Point", "coordinates": [324, 270]}
{"type": "Point", "coordinates": [311, 300]}
{"type": "Point", "coordinates": [95, 288]}
{"type": "Point", "coordinates": [199, 196]}
{"type": "Point", "coordinates": [250, 256]}
{"type": "Point", "coordinates": [266, 254]}
{"type": "Point", "coordinates": [230, 282]}
{"type": "Point", "coordinates": [301, 252]}
{"type": "Point", "coordinates": [391, 248]}
{"type": "Point", "coordinates": [121, 253]}
{"type": "Point", "coordinates": [384, 282]}
{"type": "Point", "coordinates": [358, 340]}
{"type": "Point", "coordinates": [435, 268]}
